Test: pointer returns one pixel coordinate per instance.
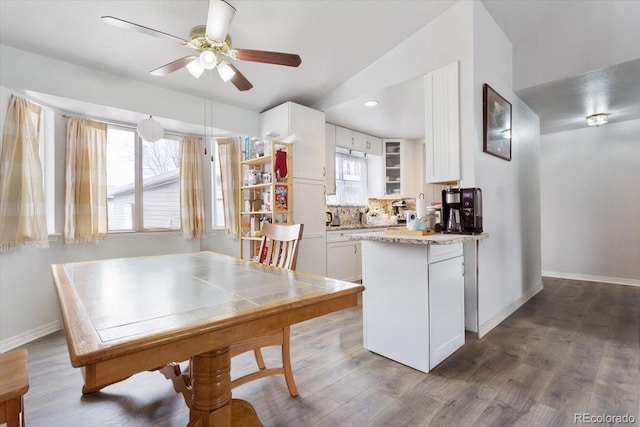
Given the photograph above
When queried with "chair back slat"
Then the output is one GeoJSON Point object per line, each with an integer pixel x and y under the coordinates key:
{"type": "Point", "coordinates": [279, 246]}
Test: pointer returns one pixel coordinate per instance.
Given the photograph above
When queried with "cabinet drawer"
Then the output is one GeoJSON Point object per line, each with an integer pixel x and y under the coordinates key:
{"type": "Point", "coordinates": [338, 236]}
{"type": "Point", "coordinates": [442, 252]}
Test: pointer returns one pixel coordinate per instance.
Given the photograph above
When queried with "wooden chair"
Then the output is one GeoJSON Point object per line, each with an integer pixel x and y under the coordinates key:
{"type": "Point", "coordinates": [279, 248]}
{"type": "Point", "coordinates": [14, 383]}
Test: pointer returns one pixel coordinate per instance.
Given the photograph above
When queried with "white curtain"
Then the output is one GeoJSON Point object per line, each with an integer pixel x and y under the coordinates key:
{"type": "Point", "coordinates": [230, 181]}
{"type": "Point", "coordinates": [192, 217]}
{"type": "Point", "coordinates": [86, 181]}
{"type": "Point", "coordinates": [351, 181]}
{"type": "Point", "coordinates": [22, 203]}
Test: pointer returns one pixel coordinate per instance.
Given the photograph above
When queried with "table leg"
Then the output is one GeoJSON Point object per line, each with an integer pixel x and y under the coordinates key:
{"type": "Point", "coordinates": [211, 403]}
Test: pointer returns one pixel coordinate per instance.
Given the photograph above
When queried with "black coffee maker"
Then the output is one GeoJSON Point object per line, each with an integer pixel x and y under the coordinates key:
{"type": "Point", "coordinates": [462, 211]}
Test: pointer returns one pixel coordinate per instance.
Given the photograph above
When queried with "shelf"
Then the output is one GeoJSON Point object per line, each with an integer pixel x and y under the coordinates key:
{"type": "Point", "coordinates": [257, 161]}
{"type": "Point", "coordinates": [263, 201]}
{"type": "Point", "coordinates": [257, 186]}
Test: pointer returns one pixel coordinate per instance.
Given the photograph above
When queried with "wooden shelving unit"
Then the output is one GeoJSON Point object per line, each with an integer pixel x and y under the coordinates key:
{"type": "Point", "coordinates": [265, 196]}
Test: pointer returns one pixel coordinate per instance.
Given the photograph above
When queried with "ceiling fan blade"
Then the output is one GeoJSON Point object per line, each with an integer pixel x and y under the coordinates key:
{"type": "Point", "coordinates": [173, 66]}
{"type": "Point", "coordinates": [219, 20]}
{"type": "Point", "coordinates": [239, 80]}
{"type": "Point", "coordinates": [278, 58]}
{"type": "Point", "coordinates": [140, 28]}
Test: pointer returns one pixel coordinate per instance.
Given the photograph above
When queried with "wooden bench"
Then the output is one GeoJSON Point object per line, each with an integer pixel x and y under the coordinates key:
{"type": "Point", "coordinates": [14, 383]}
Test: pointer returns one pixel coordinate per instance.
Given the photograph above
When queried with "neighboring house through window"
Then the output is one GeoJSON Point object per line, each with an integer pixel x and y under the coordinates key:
{"type": "Point", "coordinates": [154, 203]}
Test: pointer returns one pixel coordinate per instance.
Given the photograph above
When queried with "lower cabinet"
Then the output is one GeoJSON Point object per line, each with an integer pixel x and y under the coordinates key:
{"type": "Point", "coordinates": [446, 309]}
{"type": "Point", "coordinates": [413, 305]}
{"type": "Point", "coordinates": [344, 256]}
{"type": "Point", "coordinates": [344, 261]}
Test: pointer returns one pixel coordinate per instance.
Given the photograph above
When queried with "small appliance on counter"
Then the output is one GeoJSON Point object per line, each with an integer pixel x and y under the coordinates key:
{"type": "Point", "coordinates": [461, 211]}
{"type": "Point", "coordinates": [399, 208]}
{"type": "Point", "coordinates": [328, 218]}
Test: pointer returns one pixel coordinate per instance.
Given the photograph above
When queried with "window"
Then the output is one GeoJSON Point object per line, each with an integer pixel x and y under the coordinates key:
{"type": "Point", "coordinates": [143, 181]}
{"type": "Point", "coordinates": [351, 181]}
{"type": "Point", "coordinates": [216, 189]}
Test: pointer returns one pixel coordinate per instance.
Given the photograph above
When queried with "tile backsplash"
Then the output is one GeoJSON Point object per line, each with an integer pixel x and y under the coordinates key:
{"type": "Point", "coordinates": [349, 215]}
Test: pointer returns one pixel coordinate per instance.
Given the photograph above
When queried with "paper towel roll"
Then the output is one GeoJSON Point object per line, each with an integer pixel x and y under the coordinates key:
{"type": "Point", "coordinates": [421, 208]}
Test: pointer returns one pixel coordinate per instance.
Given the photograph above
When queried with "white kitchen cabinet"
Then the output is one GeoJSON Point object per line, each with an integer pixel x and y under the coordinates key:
{"type": "Point", "coordinates": [344, 138]}
{"type": "Point", "coordinates": [375, 145]}
{"type": "Point", "coordinates": [400, 177]}
{"type": "Point", "coordinates": [330, 161]}
{"type": "Point", "coordinates": [413, 309]}
{"type": "Point", "coordinates": [309, 127]}
{"type": "Point", "coordinates": [344, 258]}
{"type": "Point", "coordinates": [344, 261]}
{"type": "Point", "coordinates": [446, 309]}
{"type": "Point", "coordinates": [358, 141]}
{"type": "Point", "coordinates": [309, 208]}
{"type": "Point", "coordinates": [442, 125]}
{"type": "Point", "coordinates": [367, 144]}
{"type": "Point", "coordinates": [309, 172]}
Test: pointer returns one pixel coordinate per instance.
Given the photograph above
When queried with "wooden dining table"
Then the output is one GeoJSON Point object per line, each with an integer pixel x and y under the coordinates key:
{"type": "Point", "coordinates": [128, 315]}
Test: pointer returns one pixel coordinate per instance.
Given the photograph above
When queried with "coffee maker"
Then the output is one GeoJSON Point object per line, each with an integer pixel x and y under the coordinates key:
{"type": "Point", "coordinates": [462, 211]}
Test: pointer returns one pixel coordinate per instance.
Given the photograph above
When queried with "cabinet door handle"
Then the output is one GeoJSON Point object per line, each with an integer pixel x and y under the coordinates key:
{"type": "Point", "coordinates": [324, 171]}
{"type": "Point", "coordinates": [355, 249]}
{"type": "Point", "coordinates": [463, 269]}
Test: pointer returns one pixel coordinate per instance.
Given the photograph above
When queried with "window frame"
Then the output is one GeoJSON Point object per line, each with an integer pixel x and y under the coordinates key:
{"type": "Point", "coordinates": [138, 187]}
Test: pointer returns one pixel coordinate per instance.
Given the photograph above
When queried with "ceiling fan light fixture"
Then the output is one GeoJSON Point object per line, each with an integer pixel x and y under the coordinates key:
{"type": "Point", "coordinates": [225, 71]}
{"type": "Point", "coordinates": [150, 130]}
{"type": "Point", "coordinates": [219, 20]}
{"type": "Point", "coordinates": [195, 68]}
{"type": "Point", "coordinates": [208, 59]}
{"type": "Point", "coordinates": [598, 119]}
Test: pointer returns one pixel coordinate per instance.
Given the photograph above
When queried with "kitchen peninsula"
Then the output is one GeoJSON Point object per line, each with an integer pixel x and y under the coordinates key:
{"type": "Point", "coordinates": [413, 304]}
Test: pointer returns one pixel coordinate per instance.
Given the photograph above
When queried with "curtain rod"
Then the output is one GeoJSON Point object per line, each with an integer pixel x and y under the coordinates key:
{"type": "Point", "coordinates": [129, 125]}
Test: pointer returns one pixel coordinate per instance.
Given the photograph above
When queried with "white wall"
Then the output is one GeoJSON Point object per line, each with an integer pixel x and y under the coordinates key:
{"type": "Point", "coordinates": [28, 307]}
{"type": "Point", "coordinates": [590, 184]}
{"type": "Point", "coordinates": [509, 260]}
{"type": "Point", "coordinates": [509, 263]}
{"type": "Point", "coordinates": [25, 71]}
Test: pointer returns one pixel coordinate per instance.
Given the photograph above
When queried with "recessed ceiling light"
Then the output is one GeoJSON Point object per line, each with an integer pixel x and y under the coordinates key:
{"type": "Point", "coordinates": [371, 103]}
{"type": "Point", "coordinates": [598, 119]}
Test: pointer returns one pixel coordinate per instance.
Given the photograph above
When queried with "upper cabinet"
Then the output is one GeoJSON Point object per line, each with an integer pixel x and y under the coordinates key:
{"type": "Point", "coordinates": [330, 161]}
{"type": "Point", "coordinates": [358, 141]}
{"type": "Point", "coordinates": [400, 168]}
{"type": "Point", "coordinates": [308, 125]}
{"type": "Point", "coordinates": [442, 125]}
{"type": "Point", "coordinates": [367, 144]}
{"type": "Point", "coordinates": [344, 138]}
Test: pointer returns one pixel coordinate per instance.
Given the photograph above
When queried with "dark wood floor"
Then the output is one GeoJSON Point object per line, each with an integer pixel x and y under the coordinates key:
{"type": "Point", "coordinates": [573, 348]}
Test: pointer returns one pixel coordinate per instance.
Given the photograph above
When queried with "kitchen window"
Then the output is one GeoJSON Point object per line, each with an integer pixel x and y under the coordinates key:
{"type": "Point", "coordinates": [351, 181]}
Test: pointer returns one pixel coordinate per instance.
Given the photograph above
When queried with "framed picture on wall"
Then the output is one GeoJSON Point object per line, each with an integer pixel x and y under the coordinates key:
{"type": "Point", "coordinates": [497, 123]}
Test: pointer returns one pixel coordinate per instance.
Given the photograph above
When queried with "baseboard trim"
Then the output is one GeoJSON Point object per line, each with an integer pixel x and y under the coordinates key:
{"type": "Point", "coordinates": [590, 278]}
{"type": "Point", "coordinates": [28, 336]}
{"type": "Point", "coordinates": [487, 326]}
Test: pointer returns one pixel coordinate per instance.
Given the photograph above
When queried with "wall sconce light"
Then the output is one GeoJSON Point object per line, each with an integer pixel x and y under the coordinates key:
{"type": "Point", "coordinates": [598, 119]}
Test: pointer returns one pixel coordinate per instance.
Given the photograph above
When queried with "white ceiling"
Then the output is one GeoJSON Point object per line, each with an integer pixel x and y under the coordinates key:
{"type": "Point", "coordinates": [336, 40]}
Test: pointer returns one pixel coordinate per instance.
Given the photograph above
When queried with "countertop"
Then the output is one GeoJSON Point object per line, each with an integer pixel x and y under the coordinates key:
{"type": "Point", "coordinates": [432, 239]}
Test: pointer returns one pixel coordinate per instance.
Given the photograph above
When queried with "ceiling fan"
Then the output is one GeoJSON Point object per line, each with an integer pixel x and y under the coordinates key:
{"type": "Point", "coordinates": [213, 43]}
